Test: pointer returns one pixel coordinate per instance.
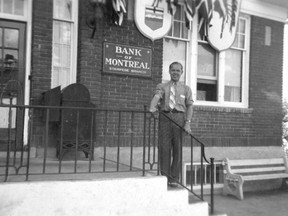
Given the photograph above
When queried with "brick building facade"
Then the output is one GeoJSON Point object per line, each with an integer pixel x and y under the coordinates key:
{"type": "Point", "coordinates": [257, 124]}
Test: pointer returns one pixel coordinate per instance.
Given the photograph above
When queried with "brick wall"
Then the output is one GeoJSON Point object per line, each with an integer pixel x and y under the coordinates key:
{"type": "Point", "coordinates": [42, 26]}
{"type": "Point", "coordinates": [41, 48]}
{"type": "Point", "coordinates": [260, 125]}
{"type": "Point", "coordinates": [266, 78]}
{"type": "Point", "coordinates": [110, 91]}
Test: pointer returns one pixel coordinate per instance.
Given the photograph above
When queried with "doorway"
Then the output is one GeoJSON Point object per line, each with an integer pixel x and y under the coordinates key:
{"type": "Point", "coordinates": [12, 82]}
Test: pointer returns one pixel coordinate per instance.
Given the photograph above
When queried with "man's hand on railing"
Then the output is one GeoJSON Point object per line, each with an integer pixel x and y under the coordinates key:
{"type": "Point", "coordinates": [154, 113]}
{"type": "Point", "coordinates": [187, 127]}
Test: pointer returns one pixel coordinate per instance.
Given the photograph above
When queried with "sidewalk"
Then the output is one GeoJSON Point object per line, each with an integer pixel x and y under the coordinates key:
{"type": "Point", "coordinates": [268, 203]}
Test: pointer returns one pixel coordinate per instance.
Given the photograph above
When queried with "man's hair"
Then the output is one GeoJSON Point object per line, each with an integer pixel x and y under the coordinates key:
{"type": "Point", "coordinates": [174, 63]}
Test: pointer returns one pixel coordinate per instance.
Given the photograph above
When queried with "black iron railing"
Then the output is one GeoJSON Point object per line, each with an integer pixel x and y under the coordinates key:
{"type": "Point", "coordinates": [96, 140]}
{"type": "Point", "coordinates": [83, 140]}
{"type": "Point", "coordinates": [188, 157]}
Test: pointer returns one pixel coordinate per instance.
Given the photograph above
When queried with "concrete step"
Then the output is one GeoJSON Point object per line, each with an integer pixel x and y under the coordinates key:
{"type": "Point", "coordinates": [112, 196]}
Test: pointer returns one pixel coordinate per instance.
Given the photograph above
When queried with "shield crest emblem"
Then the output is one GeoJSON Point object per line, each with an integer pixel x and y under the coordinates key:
{"type": "Point", "coordinates": [152, 22]}
{"type": "Point", "coordinates": [223, 24]}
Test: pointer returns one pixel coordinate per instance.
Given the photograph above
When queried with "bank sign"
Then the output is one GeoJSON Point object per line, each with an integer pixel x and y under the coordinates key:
{"type": "Point", "coordinates": [127, 60]}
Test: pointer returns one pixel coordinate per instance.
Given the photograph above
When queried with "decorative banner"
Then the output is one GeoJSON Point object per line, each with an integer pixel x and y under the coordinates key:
{"type": "Point", "coordinates": [127, 60]}
{"type": "Point", "coordinates": [189, 12]}
{"type": "Point", "coordinates": [205, 11]}
{"type": "Point", "coordinates": [223, 24]}
{"type": "Point", "coordinates": [152, 22]}
{"type": "Point", "coordinates": [119, 7]}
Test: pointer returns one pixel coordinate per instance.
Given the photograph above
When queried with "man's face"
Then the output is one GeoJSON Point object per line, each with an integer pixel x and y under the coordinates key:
{"type": "Point", "coordinates": [175, 72]}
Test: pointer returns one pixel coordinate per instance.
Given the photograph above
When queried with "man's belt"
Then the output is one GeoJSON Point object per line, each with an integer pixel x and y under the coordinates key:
{"type": "Point", "coordinates": [172, 111]}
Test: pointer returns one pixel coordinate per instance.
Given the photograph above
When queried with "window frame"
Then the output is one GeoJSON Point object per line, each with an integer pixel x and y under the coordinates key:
{"type": "Point", "coordinates": [192, 81]}
{"type": "Point", "coordinates": [186, 40]}
{"type": "Point", "coordinates": [12, 16]}
{"type": "Point", "coordinates": [74, 41]}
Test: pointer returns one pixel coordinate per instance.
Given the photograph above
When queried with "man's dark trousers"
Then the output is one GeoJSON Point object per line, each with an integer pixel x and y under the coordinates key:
{"type": "Point", "coordinates": [170, 138]}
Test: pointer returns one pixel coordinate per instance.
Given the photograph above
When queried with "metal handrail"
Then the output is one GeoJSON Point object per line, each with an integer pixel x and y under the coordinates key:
{"type": "Point", "coordinates": [148, 132]}
{"type": "Point", "coordinates": [31, 110]}
{"type": "Point", "coordinates": [203, 156]}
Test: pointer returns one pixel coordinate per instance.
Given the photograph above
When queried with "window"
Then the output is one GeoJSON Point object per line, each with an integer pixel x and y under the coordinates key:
{"type": "Point", "coordinates": [207, 73]}
{"type": "Point", "coordinates": [216, 78]}
{"type": "Point", "coordinates": [64, 42]}
{"type": "Point", "coordinates": [222, 77]}
{"type": "Point", "coordinates": [13, 7]}
{"type": "Point", "coordinates": [175, 44]}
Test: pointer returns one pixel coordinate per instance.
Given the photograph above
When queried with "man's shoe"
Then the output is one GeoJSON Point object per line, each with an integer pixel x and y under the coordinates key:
{"type": "Point", "coordinates": [173, 184]}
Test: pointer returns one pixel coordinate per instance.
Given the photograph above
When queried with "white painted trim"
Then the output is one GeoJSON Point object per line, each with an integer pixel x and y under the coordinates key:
{"type": "Point", "coordinates": [75, 43]}
{"type": "Point", "coordinates": [27, 18]}
{"type": "Point", "coordinates": [264, 10]}
{"type": "Point", "coordinates": [245, 72]}
{"type": "Point", "coordinates": [246, 66]}
{"type": "Point", "coordinates": [27, 68]}
{"type": "Point", "coordinates": [192, 81]}
{"type": "Point", "coordinates": [23, 18]}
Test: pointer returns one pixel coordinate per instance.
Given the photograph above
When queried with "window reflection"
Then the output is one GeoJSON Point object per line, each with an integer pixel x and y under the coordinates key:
{"type": "Point", "coordinates": [19, 5]}
{"type": "Point", "coordinates": [233, 76]}
{"type": "Point", "coordinates": [179, 29]}
{"type": "Point", "coordinates": [173, 50]}
{"type": "Point", "coordinates": [62, 32]}
{"type": "Point", "coordinates": [11, 58]}
{"type": "Point", "coordinates": [7, 6]}
{"type": "Point", "coordinates": [11, 38]}
{"type": "Point", "coordinates": [62, 43]}
{"type": "Point", "coordinates": [15, 7]}
{"type": "Point", "coordinates": [206, 60]}
{"type": "Point", "coordinates": [207, 80]}
{"type": "Point", "coordinates": [9, 68]}
{"type": "Point", "coordinates": [240, 35]}
{"type": "Point", "coordinates": [63, 9]}
{"type": "Point", "coordinates": [177, 15]}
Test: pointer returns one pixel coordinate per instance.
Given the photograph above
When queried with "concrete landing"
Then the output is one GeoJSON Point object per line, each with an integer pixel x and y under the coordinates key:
{"type": "Point", "coordinates": [106, 197]}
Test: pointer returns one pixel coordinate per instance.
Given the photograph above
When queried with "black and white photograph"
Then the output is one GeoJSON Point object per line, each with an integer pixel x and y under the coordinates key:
{"type": "Point", "coordinates": [143, 107]}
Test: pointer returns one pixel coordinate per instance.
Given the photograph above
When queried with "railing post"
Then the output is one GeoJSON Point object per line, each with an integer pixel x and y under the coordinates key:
{"type": "Point", "coordinates": [104, 141]}
{"type": "Point", "coordinates": [158, 155]}
{"type": "Point", "coordinates": [131, 140]}
{"type": "Point", "coordinates": [154, 141]}
{"type": "Point", "coordinates": [9, 140]}
{"type": "Point", "coordinates": [118, 140]}
{"type": "Point", "coordinates": [76, 139]}
{"type": "Point", "coordinates": [30, 134]}
{"type": "Point", "coordinates": [91, 145]}
{"type": "Point", "coordinates": [201, 170]}
{"type": "Point", "coordinates": [144, 140]}
{"type": "Point", "coordinates": [148, 144]}
{"type": "Point", "coordinates": [191, 167]}
{"type": "Point", "coordinates": [46, 137]}
{"type": "Point", "coordinates": [212, 185]}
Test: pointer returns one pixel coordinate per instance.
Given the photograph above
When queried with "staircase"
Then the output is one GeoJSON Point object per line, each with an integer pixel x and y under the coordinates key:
{"type": "Point", "coordinates": [125, 196]}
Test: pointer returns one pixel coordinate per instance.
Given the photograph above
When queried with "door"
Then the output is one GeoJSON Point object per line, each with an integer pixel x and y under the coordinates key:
{"type": "Point", "coordinates": [12, 82]}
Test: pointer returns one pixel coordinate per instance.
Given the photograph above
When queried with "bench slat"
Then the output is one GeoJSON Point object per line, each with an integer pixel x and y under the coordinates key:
{"type": "Point", "coordinates": [256, 162]}
{"type": "Point", "coordinates": [251, 170]}
{"type": "Point", "coordinates": [259, 169]}
{"type": "Point", "coordinates": [264, 177]}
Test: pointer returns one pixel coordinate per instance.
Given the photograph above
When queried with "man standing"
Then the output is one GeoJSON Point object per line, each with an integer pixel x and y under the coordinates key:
{"type": "Point", "coordinates": [176, 102]}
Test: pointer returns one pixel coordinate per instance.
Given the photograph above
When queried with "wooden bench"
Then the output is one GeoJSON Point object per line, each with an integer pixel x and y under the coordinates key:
{"type": "Point", "coordinates": [238, 171]}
